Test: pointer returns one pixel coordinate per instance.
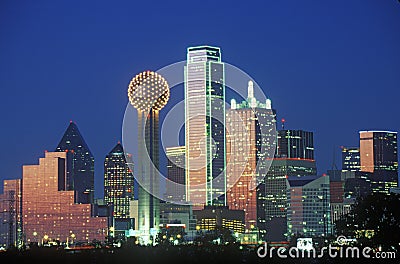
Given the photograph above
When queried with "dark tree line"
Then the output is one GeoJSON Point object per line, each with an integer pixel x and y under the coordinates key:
{"type": "Point", "coordinates": [378, 212]}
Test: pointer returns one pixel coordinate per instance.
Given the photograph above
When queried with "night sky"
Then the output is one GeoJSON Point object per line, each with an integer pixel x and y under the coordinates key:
{"type": "Point", "coordinates": [331, 67]}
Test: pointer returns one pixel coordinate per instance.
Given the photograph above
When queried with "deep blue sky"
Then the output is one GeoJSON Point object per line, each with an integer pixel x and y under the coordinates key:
{"type": "Point", "coordinates": [331, 67]}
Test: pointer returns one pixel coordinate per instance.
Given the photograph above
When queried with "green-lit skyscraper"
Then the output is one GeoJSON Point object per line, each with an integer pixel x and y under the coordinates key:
{"type": "Point", "coordinates": [205, 127]}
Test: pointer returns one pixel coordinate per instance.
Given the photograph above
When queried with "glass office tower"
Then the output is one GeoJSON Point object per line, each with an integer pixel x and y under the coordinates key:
{"type": "Point", "coordinates": [175, 188]}
{"type": "Point", "coordinates": [205, 127]}
{"type": "Point", "coordinates": [309, 206]}
{"type": "Point", "coordinates": [295, 144]}
{"type": "Point", "coordinates": [350, 159]}
{"type": "Point", "coordinates": [118, 181]}
{"type": "Point", "coordinates": [80, 166]}
{"type": "Point", "coordinates": [378, 156]}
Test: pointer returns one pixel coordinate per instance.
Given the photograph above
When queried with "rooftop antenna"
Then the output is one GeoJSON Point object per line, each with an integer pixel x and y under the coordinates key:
{"type": "Point", "coordinates": [334, 167]}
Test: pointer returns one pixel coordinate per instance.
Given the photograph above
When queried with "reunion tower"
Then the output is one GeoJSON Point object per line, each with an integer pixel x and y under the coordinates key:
{"type": "Point", "coordinates": [148, 92]}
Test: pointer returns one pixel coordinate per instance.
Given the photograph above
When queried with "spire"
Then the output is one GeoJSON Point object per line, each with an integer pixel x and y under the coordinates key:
{"type": "Point", "coordinates": [72, 139]}
{"type": "Point", "coordinates": [118, 149]}
{"type": "Point", "coordinates": [250, 89]}
{"type": "Point", "coordinates": [233, 104]}
{"type": "Point", "coordinates": [80, 164]}
{"type": "Point", "coordinates": [268, 104]}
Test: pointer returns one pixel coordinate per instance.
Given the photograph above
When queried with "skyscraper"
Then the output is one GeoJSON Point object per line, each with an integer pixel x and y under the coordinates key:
{"type": "Point", "coordinates": [80, 166]}
{"type": "Point", "coordinates": [118, 181]}
{"type": "Point", "coordinates": [350, 159]}
{"type": "Point", "coordinates": [294, 158]}
{"type": "Point", "coordinates": [10, 214]}
{"type": "Point", "coordinates": [250, 125]}
{"type": "Point", "coordinates": [205, 127]}
{"type": "Point", "coordinates": [295, 144]}
{"type": "Point", "coordinates": [175, 189]}
{"type": "Point", "coordinates": [378, 156]}
{"type": "Point", "coordinates": [272, 195]}
{"type": "Point", "coordinates": [49, 211]}
{"type": "Point", "coordinates": [148, 92]}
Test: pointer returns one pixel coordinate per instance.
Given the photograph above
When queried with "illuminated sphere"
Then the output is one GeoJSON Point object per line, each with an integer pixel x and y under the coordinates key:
{"type": "Point", "coordinates": [148, 90]}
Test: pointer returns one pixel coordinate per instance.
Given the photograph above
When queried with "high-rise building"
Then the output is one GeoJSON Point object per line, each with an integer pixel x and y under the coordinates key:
{"type": "Point", "coordinates": [272, 201]}
{"type": "Point", "coordinates": [148, 92]}
{"type": "Point", "coordinates": [80, 166]}
{"type": "Point", "coordinates": [350, 159]}
{"type": "Point", "coordinates": [205, 127]}
{"type": "Point", "coordinates": [298, 144]}
{"type": "Point", "coordinates": [378, 156]}
{"type": "Point", "coordinates": [251, 135]}
{"type": "Point", "coordinates": [309, 206]}
{"type": "Point", "coordinates": [175, 187]}
{"type": "Point", "coordinates": [118, 181]}
{"type": "Point", "coordinates": [10, 214]}
{"type": "Point", "coordinates": [294, 158]}
{"type": "Point", "coordinates": [49, 211]}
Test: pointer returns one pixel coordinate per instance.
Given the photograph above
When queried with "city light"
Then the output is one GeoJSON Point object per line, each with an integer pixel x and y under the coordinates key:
{"type": "Point", "coordinates": [148, 90]}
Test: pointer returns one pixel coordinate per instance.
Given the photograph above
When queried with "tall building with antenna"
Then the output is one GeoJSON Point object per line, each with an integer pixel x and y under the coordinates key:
{"type": "Point", "coordinates": [251, 136]}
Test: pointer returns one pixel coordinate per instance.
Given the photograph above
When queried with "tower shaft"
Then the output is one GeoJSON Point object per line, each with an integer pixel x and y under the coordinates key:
{"type": "Point", "coordinates": [148, 151]}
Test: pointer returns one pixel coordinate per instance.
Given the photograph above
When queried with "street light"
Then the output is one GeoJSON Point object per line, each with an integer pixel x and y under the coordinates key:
{"type": "Point", "coordinates": [45, 237]}
{"type": "Point", "coordinates": [34, 237]}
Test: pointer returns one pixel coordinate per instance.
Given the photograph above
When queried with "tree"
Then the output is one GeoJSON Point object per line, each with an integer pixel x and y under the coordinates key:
{"type": "Point", "coordinates": [378, 212]}
{"type": "Point", "coordinates": [220, 234]}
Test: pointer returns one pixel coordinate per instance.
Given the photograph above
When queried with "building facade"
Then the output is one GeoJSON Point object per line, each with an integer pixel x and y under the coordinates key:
{"type": "Point", "coordinates": [213, 217]}
{"type": "Point", "coordinates": [118, 181]}
{"type": "Point", "coordinates": [272, 200]}
{"type": "Point", "coordinates": [350, 159]}
{"type": "Point", "coordinates": [251, 136]}
{"type": "Point", "coordinates": [205, 127]}
{"type": "Point", "coordinates": [378, 156]}
{"type": "Point", "coordinates": [309, 206]}
{"type": "Point", "coordinates": [176, 173]}
{"type": "Point", "coordinates": [10, 214]}
{"type": "Point", "coordinates": [295, 144]}
{"type": "Point", "coordinates": [80, 166]}
{"type": "Point", "coordinates": [49, 211]}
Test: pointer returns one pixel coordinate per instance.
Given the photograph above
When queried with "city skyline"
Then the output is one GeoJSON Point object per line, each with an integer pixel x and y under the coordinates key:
{"type": "Point", "coordinates": [345, 64]}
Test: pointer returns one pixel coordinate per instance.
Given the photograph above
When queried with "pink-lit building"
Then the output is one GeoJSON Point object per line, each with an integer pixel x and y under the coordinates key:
{"type": "Point", "coordinates": [49, 211]}
{"type": "Point", "coordinates": [250, 138]}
